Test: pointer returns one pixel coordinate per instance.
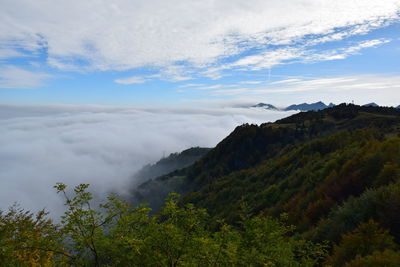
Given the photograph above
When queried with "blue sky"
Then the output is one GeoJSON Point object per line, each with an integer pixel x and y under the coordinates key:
{"type": "Point", "coordinates": [196, 53]}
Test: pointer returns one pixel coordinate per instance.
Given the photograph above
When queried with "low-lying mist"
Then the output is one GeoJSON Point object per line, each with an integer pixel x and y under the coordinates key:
{"type": "Point", "coordinates": [102, 146]}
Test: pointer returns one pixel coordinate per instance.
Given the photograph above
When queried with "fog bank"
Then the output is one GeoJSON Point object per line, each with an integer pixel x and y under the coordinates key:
{"type": "Point", "coordinates": [102, 146]}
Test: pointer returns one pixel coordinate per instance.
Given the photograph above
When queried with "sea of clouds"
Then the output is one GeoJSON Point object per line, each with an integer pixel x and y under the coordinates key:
{"type": "Point", "coordinates": [102, 146]}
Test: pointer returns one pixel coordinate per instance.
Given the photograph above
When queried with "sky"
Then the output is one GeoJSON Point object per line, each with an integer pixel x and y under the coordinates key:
{"type": "Point", "coordinates": [199, 53]}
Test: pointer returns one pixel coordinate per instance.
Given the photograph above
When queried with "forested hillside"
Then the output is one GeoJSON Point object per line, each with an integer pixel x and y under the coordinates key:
{"type": "Point", "coordinates": [174, 161]}
{"type": "Point", "coordinates": [327, 172]}
{"type": "Point", "coordinates": [250, 145]}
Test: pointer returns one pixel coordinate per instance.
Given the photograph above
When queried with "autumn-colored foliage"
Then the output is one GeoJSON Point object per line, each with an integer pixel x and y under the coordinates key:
{"type": "Point", "coordinates": [121, 235]}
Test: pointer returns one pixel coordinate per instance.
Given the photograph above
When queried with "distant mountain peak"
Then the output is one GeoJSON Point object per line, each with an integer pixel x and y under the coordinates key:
{"type": "Point", "coordinates": [372, 104]}
{"type": "Point", "coordinates": [302, 107]}
{"type": "Point", "coordinates": [307, 107]}
{"type": "Point", "coordinates": [265, 106]}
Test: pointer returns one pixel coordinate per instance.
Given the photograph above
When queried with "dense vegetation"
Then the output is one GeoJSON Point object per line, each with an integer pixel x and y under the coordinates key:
{"type": "Point", "coordinates": [319, 188]}
{"type": "Point", "coordinates": [122, 235]}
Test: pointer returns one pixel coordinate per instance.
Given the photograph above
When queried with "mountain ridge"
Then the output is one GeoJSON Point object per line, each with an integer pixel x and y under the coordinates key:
{"type": "Point", "coordinates": [249, 145]}
{"type": "Point", "coordinates": [306, 106]}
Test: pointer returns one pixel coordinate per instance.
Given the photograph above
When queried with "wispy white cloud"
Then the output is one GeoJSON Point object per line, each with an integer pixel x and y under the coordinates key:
{"type": "Point", "coordinates": [215, 86]}
{"type": "Point", "coordinates": [175, 73]}
{"type": "Point", "coordinates": [341, 34]}
{"type": "Point", "coordinates": [10, 53]}
{"type": "Point", "coordinates": [171, 73]}
{"type": "Point", "coordinates": [288, 55]}
{"type": "Point", "coordinates": [67, 65]}
{"type": "Point", "coordinates": [18, 78]}
{"type": "Point", "coordinates": [251, 82]}
{"type": "Point", "coordinates": [191, 85]}
{"type": "Point", "coordinates": [196, 34]}
{"type": "Point", "coordinates": [286, 81]}
{"type": "Point", "coordinates": [214, 73]}
{"type": "Point", "coordinates": [343, 53]}
{"type": "Point", "coordinates": [131, 80]}
{"type": "Point", "coordinates": [268, 59]}
{"type": "Point", "coordinates": [365, 44]}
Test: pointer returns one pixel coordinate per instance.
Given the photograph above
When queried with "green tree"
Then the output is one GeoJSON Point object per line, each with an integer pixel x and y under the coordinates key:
{"type": "Point", "coordinates": [118, 234]}
{"type": "Point", "coordinates": [28, 239]}
{"type": "Point", "coordinates": [364, 240]}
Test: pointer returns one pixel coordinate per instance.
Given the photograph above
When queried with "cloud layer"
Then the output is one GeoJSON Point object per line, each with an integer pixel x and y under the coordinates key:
{"type": "Point", "coordinates": [42, 145]}
{"type": "Point", "coordinates": [126, 34]}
